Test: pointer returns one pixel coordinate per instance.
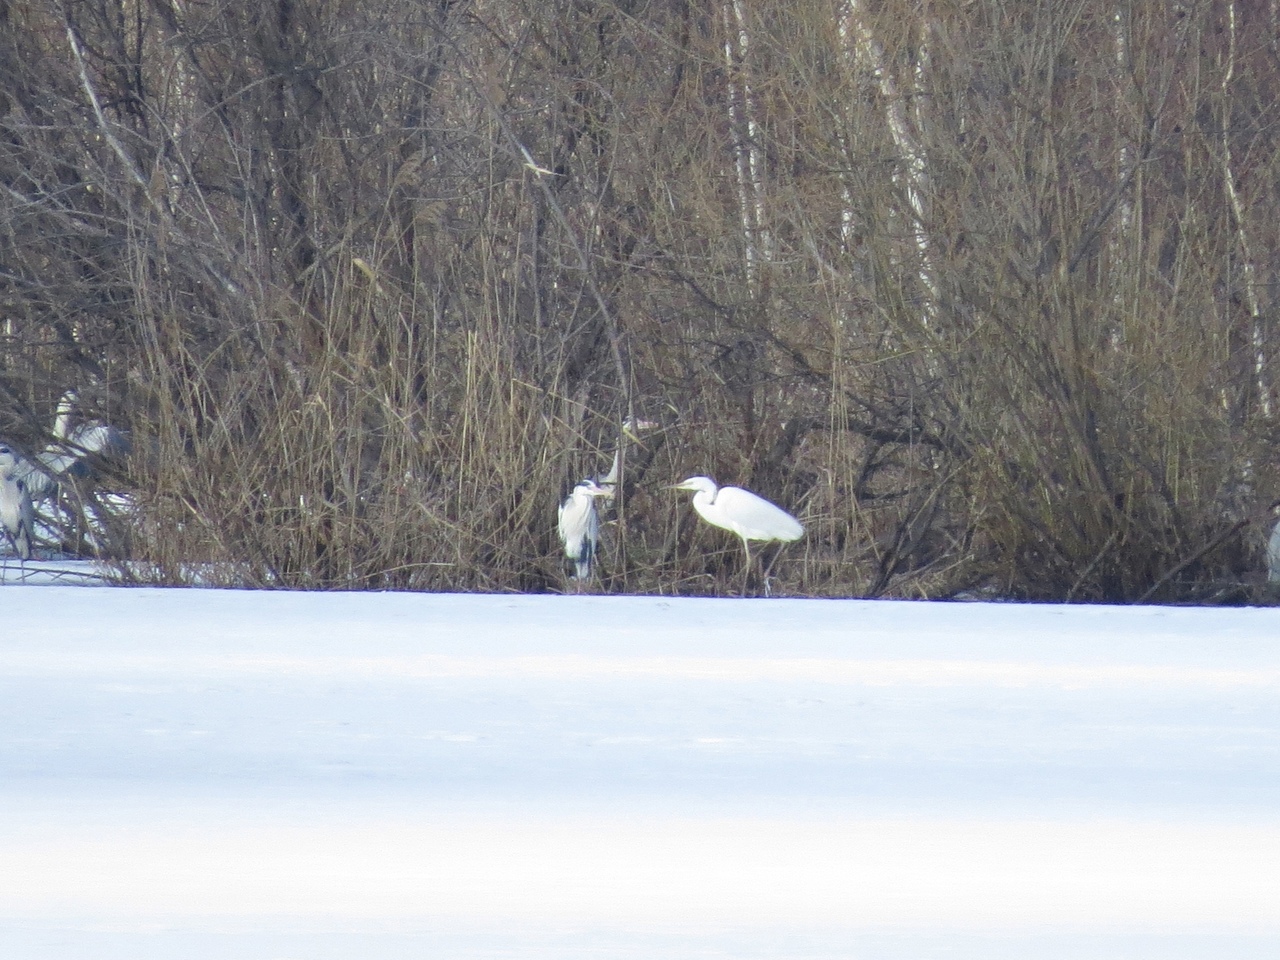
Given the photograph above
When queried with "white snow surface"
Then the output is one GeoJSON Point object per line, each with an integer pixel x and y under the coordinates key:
{"type": "Point", "coordinates": [204, 774]}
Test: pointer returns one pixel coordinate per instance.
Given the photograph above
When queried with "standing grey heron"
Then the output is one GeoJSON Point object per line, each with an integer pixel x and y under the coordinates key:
{"type": "Point", "coordinates": [16, 513]}
{"type": "Point", "coordinates": [740, 511]}
{"type": "Point", "coordinates": [631, 428]}
{"type": "Point", "coordinates": [580, 526]}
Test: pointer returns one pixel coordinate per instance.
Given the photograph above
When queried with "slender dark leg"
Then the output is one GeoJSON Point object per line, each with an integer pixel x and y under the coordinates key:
{"type": "Point", "coordinates": [769, 568]}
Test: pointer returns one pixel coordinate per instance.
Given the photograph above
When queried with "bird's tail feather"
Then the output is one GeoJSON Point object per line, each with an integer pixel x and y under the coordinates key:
{"type": "Point", "coordinates": [582, 562]}
{"type": "Point", "coordinates": [22, 542]}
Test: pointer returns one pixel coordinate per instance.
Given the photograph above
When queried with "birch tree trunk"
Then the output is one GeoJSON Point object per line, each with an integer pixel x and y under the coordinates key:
{"type": "Point", "coordinates": [1248, 268]}
{"type": "Point", "coordinates": [748, 152]}
{"type": "Point", "coordinates": [903, 116]}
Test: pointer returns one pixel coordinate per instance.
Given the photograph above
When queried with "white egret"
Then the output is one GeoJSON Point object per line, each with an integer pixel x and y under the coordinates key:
{"type": "Point", "coordinates": [580, 525]}
{"type": "Point", "coordinates": [740, 511]}
{"type": "Point", "coordinates": [16, 513]}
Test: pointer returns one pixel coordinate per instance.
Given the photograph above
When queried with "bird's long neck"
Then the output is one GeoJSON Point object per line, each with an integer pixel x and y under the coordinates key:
{"type": "Point", "coordinates": [612, 475]}
{"type": "Point", "coordinates": [704, 500]}
{"type": "Point", "coordinates": [62, 423]}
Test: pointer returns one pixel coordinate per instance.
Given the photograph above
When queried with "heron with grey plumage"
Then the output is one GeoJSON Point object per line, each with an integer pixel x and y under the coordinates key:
{"type": "Point", "coordinates": [68, 456]}
{"type": "Point", "coordinates": [76, 445]}
{"type": "Point", "coordinates": [579, 517]}
{"type": "Point", "coordinates": [579, 526]}
{"type": "Point", "coordinates": [17, 515]}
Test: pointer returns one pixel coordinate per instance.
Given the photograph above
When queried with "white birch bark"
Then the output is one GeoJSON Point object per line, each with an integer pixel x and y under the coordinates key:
{"type": "Point", "coordinates": [748, 152]}
{"type": "Point", "coordinates": [1119, 238]}
{"type": "Point", "coordinates": [903, 115]}
{"type": "Point", "coordinates": [1126, 150]}
{"type": "Point", "coordinates": [1248, 268]}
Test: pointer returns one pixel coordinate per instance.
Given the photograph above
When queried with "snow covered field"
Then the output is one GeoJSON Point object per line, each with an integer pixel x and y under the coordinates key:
{"type": "Point", "coordinates": [259, 776]}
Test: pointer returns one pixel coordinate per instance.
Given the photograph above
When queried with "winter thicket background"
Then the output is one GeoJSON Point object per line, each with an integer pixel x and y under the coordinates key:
{"type": "Point", "coordinates": [983, 291]}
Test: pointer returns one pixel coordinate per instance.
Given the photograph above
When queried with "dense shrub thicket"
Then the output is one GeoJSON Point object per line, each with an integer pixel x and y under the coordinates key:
{"type": "Point", "coordinates": [983, 291]}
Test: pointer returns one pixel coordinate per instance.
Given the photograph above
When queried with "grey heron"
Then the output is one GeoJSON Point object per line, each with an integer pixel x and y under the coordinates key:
{"type": "Point", "coordinates": [17, 516]}
{"type": "Point", "coordinates": [26, 482]}
{"type": "Point", "coordinates": [580, 525]}
{"type": "Point", "coordinates": [71, 445]}
{"type": "Point", "coordinates": [740, 511]}
{"type": "Point", "coordinates": [631, 428]}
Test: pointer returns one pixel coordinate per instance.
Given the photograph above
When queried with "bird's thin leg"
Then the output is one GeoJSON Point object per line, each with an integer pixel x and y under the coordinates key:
{"type": "Point", "coordinates": [746, 567]}
{"type": "Point", "coordinates": [769, 569]}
